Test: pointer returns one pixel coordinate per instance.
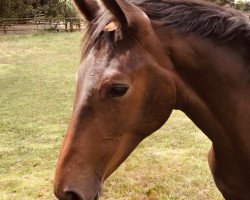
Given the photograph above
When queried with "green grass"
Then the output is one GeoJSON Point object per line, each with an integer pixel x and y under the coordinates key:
{"type": "Point", "coordinates": [37, 80]}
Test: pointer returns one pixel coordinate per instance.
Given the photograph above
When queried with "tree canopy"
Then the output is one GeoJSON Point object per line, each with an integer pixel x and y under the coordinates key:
{"type": "Point", "coordinates": [243, 5]}
{"type": "Point", "coordinates": [32, 8]}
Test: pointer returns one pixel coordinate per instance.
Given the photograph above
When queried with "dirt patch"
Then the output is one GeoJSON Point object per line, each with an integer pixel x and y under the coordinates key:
{"type": "Point", "coordinates": [33, 28]}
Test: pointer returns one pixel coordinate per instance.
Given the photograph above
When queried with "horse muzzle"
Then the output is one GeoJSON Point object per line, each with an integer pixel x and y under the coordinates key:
{"type": "Point", "coordinates": [71, 189]}
{"type": "Point", "coordinates": [74, 195]}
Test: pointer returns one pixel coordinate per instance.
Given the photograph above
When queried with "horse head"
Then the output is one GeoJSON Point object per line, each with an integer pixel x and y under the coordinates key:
{"type": "Point", "coordinates": [125, 91]}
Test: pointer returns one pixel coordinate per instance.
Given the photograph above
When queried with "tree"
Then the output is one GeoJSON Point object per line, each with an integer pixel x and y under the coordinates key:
{"type": "Point", "coordinates": [31, 8]}
{"type": "Point", "coordinates": [16, 8]}
{"type": "Point", "coordinates": [69, 9]}
{"type": "Point", "coordinates": [240, 4]}
{"type": "Point", "coordinates": [222, 2]}
{"type": "Point", "coordinates": [245, 6]}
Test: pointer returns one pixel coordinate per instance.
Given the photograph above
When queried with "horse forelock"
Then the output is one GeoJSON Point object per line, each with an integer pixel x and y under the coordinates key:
{"type": "Point", "coordinates": [204, 19]}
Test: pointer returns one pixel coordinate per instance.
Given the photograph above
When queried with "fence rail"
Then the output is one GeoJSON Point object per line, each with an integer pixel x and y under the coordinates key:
{"type": "Point", "coordinates": [26, 25]}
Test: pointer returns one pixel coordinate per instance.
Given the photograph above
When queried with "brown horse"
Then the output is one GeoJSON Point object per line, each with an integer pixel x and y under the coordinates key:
{"type": "Point", "coordinates": [141, 60]}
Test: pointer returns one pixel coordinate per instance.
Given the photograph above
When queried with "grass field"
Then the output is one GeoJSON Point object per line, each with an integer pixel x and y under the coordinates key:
{"type": "Point", "coordinates": [37, 83]}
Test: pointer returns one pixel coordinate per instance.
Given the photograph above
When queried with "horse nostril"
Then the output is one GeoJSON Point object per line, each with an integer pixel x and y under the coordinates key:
{"type": "Point", "coordinates": [96, 197]}
{"type": "Point", "coordinates": [70, 195]}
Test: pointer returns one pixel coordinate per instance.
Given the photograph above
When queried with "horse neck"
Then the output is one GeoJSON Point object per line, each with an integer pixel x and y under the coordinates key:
{"type": "Point", "coordinates": [213, 88]}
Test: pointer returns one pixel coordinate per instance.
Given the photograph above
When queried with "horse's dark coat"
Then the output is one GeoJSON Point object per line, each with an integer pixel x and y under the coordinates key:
{"type": "Point", "coordinates": [140, 61]}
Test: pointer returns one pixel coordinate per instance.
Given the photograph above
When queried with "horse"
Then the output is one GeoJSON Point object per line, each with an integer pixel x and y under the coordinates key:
{"type": "Point", "coordinates": [140, 61]}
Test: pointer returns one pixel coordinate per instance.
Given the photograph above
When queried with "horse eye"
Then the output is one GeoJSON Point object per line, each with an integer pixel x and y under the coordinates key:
{"type": "Point", "coordinates": [117, 90]}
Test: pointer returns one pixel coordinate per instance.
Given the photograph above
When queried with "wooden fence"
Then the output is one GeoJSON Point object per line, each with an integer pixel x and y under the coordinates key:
{"type": "Point", "coordinates": [27, 25]}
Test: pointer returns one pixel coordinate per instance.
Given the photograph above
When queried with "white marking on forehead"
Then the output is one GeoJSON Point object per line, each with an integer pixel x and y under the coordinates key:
{"type": "Point", "coordinates": [87, 79]}
{"type": "Point", "coordinates": [92, 77]}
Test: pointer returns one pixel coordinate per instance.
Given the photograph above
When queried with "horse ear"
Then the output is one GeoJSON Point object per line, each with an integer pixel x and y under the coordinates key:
{"type": "Point", "coordinates": [88, 8]}
{"type": "Point", "coordinates": [128, 15]}
{"type": "Point", "coordinates": [131, 16]}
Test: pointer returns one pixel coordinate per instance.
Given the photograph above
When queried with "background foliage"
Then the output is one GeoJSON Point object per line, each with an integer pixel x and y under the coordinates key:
{"type": "Point", "coordinates": [241, 5]}
{"type": "Point", "coordinates": [32, 8]}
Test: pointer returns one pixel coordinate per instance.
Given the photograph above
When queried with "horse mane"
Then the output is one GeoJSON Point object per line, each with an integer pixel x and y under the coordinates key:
{"type": "Point", "coordinates": [204, 19]}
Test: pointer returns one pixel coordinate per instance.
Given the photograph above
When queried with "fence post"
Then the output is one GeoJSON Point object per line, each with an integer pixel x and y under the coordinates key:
{"type": "Point", "coordinates": [4, 27]}
{"type": "Point", "coordinates": [71, 25]}
{"type": "Point", "coordinates": [65, 24]}
{"type": "Point", "coordinates": [78, 24]}
{"type": "Point", "coordinates": [36, 22]}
